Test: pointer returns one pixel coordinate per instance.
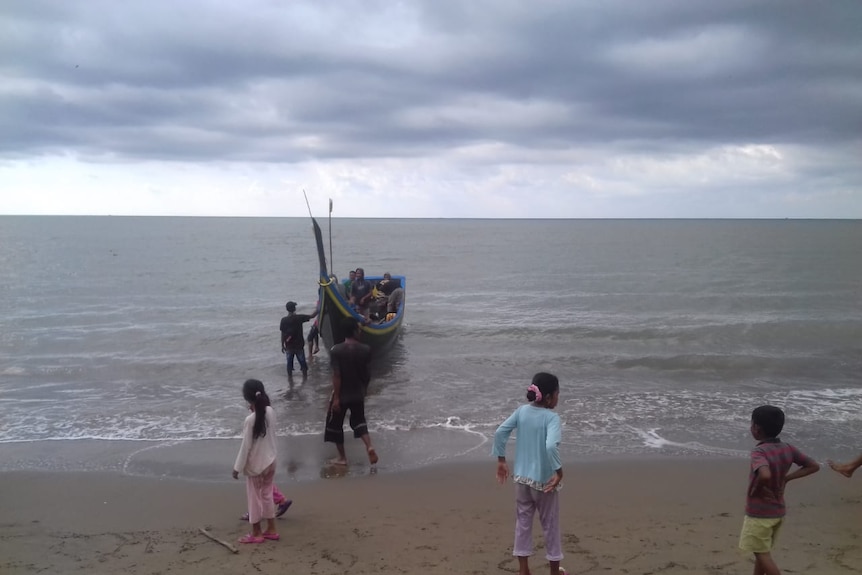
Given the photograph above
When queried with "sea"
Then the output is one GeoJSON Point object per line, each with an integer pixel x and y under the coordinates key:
{"type": "Point", "coordinates": [124, 341]}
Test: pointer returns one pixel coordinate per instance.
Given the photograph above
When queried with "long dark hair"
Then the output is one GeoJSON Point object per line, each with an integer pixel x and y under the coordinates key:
{"type": "Point", "coordinates": [253, 392]}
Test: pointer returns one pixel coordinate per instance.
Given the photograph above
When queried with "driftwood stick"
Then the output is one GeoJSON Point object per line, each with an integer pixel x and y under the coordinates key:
{"type": "Point", "coordinates": [219, 541]}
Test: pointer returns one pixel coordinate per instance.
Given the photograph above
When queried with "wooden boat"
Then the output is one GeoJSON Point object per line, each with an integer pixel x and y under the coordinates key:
{"type": "Point", "coordinates": [380, 331]}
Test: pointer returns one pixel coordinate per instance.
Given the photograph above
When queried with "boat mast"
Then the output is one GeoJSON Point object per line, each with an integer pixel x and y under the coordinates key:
{"type": "Point", "coordinates": [331, 261]}
{"type": "Point", "coordinates": [320, 247]}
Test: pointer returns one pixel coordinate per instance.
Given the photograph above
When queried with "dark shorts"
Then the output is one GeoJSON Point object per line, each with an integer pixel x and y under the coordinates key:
{"type": "Point", "coordinates": [334, 431]}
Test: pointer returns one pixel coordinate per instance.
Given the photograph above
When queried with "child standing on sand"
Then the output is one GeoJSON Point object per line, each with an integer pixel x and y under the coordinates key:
{"type": "Point", "coordinates": [538, 470]}
{"type": "Point", "coordinates": [256, 460]}
{"type": "Point", "coordinates": [771, 460]}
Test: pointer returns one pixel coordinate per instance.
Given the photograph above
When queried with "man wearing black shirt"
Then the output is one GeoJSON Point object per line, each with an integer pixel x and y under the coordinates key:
{"type": "Point", "coordinates": [350, 378]}
{"type": "Point", "coordinates": [392, 292]}
{"type": "Point", "coordinates": [292, 342]}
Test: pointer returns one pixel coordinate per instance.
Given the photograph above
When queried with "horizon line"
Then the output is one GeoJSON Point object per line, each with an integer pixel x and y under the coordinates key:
{"type": "Point", "coordinates": [491, 218]}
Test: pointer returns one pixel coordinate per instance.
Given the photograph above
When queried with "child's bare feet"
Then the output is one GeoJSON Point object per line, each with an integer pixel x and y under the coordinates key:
{"type": "Point", "coordinates": [844, 469]}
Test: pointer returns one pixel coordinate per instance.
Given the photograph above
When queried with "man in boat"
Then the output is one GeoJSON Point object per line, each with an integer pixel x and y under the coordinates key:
{"type": "Point", "coordinates": [349, 282]}
{"type": "Point", "coordinates": [360, 293]}
{"type": "Point", "coordinates": [292, 341]}
{"type": "Point", "coordinates": [390, 294]}
{"type": "Point", "coordinates": [350, 377]}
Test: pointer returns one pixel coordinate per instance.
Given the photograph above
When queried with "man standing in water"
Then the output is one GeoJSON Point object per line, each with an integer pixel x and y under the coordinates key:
{"type": "Point", "coordinates": [292, 342]}
{"type": "Point", "coordinates": [350, 378]}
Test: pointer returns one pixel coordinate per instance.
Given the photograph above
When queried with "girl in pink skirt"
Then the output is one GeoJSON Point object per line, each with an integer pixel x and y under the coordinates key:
{"type": "Point", "coordinates": [256, 460]}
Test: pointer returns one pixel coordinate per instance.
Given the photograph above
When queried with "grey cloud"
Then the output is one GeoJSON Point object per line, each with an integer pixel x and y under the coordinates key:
{"type": "Point", "coordinates": [212, 81]}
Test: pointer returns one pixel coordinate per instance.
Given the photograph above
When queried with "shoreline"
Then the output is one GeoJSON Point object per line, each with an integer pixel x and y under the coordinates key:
{"type": "Point", "coordinates": [301, 458]}
{"type": "Point", "coordinates": [625, 516]}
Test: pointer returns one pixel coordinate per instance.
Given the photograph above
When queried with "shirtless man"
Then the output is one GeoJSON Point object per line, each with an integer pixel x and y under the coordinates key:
{"type": "Point", "coordinates": [350, 378]}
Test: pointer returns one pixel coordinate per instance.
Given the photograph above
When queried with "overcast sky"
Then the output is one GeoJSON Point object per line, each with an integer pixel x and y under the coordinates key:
{"type": "Point", "coordinates": [437, 108]}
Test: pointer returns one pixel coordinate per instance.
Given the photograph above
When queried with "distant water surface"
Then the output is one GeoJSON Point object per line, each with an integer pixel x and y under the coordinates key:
{"type": "Point", "coordinates": [664, 333]}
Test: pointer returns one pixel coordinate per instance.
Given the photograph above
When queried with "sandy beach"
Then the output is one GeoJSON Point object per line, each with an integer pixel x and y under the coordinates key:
{"type": "Point", "coordinates": [635, 516]}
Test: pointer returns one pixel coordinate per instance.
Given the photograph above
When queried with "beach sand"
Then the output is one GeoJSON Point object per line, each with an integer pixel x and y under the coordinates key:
{"type": "Point", "coordinates": [657, 516]}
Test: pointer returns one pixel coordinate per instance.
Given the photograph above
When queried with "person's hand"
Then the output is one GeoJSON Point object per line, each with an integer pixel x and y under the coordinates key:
{"type": "Point", "coordinates": [502, 472]}
{"type": "Point", "coordinates": [235, 474]}
{"type": "Point", "coordinates": [336, 405]}
{"type": "Point", "coordinates": [554, 481]}
{"type": "Point", "coordinates": [759, 489]}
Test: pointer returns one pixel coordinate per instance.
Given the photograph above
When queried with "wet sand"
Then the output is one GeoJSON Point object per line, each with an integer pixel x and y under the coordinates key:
{"type": "Point", "coordinates": [635, 516]}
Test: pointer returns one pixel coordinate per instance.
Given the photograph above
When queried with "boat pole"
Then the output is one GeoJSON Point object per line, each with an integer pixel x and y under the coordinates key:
{"type": "Point", "coordinates": [331, 263]}
{"type": "Point", "coordinates": [307, 205]}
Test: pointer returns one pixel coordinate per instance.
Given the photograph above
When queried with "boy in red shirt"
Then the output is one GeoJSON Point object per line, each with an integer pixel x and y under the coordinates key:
{"type": "Point", "coordinates": [771, 460]}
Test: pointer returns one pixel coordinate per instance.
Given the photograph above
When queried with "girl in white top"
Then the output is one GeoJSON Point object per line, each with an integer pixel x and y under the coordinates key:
{"type": "Point", "coordinates": [256, 460]}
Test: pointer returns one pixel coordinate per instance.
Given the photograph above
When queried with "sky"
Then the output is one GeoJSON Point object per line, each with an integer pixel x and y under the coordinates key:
{"type": "Point", "coordinates": [434, 108]}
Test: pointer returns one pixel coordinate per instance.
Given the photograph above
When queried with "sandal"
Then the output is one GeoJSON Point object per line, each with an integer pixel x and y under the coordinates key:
{"type": "Point", "coordinates": [270, 536]}
{"type": "Point", "coordinates": [251, 538]}
{"type": "Point", "coordinates": [283, 507]}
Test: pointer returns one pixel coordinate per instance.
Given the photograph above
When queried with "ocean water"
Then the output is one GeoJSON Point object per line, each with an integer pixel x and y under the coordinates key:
{"type": "Point", "coordinates": [665, 333]}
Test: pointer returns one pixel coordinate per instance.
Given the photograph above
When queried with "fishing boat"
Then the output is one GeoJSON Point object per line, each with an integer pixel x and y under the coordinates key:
{"type": "Point", "coordinates": [379, 331]}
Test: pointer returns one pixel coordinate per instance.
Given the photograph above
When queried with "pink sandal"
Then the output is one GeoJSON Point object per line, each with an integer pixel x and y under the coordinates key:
{"type": "Point", "coordinates": [251, 538]}
{"type": "Point", "coordinates": [270, 536]}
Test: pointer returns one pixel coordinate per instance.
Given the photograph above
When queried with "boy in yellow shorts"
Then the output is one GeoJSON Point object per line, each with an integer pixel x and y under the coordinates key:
{"type": "Point", "coordinates": [771, 460]}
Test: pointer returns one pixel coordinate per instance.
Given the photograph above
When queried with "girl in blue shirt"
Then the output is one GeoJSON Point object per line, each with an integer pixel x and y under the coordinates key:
{"type": "Point", "coordinates": [538, 470]}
